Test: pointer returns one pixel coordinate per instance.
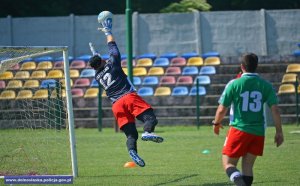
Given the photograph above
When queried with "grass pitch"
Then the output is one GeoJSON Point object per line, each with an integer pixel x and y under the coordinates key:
{"type": "Point", "coordinates": [179, 159]}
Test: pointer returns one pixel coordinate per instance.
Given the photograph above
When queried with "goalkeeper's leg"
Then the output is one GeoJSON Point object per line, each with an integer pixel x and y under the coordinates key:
{"type": "Point", "coordinates": [132, 136]}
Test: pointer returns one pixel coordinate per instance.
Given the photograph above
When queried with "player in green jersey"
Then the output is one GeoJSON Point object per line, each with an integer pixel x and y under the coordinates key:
{"type": "Point", "coordinates": [245, 138]}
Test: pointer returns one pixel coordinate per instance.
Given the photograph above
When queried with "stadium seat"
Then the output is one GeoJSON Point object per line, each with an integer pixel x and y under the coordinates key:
{"type": "Point", "coordinates": [202, 79]}
{"type": "Point", "coordinates": [155, 71]}
{"type": "Point", "coordinates": [2, 84]}
{"type": "Point", "coordinates": [6, 75]}
{"type": "Point", "coordinates": [63, 82]}
{"type": "Point", "coordinates": [188, 55]}
{"type": "Point", "coordinates": [44, 65]}
{"type": "Point", "coordinates": [287, 88]}
{"type": "Point", "coordinates": [48, 82]}
{"type": "Point", "coordinates": [91, 93]}
{"type": "Point", "coordinates": [289, 78]}
{"type": "Point", "coordinates": [77, 92]}
{"type": "Point", "coordinates": [61, 58]}
{"type": "Point", "coordinates": [295, 67]}
{"type": "Point", "coordinates": [82, 82]}
{"type": "Point", "coordinates": [169, 55]}
{"type": "Point", "coordinates": [84, 57]}
{"type": "Point", "coordinates": [167, 80]}
{"type": "Point", "coordinates": [32, 83]}
{"type": "Point", "coordinates": [201, 91]}
{"type": "Point", "coordinates": [212, 61]}
{"type": "Point", "coordinates": [137, 80]}
{"type": "Point", "coordinates": [78, 64]}
{"type": "Point", "coordinates": [22, 75]}
{"type": "Point", "coordinates": [58, 65]}
{"type": "Point", "coordinates": [144, 62]}
{"type": "Point", "coordinates": [28, 59]}
{"type": "Point", "coordinates": [94, 83]}
{"type": "Point", "coordinates": [178, 61]}
{"type": "Point", "coordinates": [7, 94]}
{"type": "Point", "coordinates": [38, 74]}
{"type": "Point", "coordinates": [29, 65]}
{"type": "Point", "coordinates": [139, 71]}
{"type": "Point", "coordinates": [184, 80]}
{"type": "Point", "coordinates": [190, 70]}
{"type": "Point", "coordinates": [195, 61]}
{"type": "Point", "coordinates": [207, 70]}
{"type": "Point", "coordinates": [145, 91]}
{"type": "Point", "coordinates": [162, 91]}
{"type": "Point", "coordinates": [43, 58]}
{"type": "Point", "coordinates": [24, 94]}
{"type": "Point", "coordinates": [148, 55]}
{"type": "Point", "coordinates": [150, 80]}
{"type": "Point", "coordinates": [15, 67]}
{"type": "Point", "coordinates": [124, 63]}
{"type": "Point", "coordinates": [41, 94]}
{"type": "Point", "coordinates": [74, 73]}
{"type": "Point", "coordinates": [173, 71]}
{"type": "Point", "coordinates": [125, 70]}
{"type": "Point", "coordinates": [180, 91]}
{"type": "Point", "coordinates": [162, 62]}
{"type": "Point", "coordinates": [296, 53]}
{"type": "Point", "coordinates": [87, 73]}
{"type": "Point", "coordinates": [210, 54]}
{"type": "Point", "coordinates": [105, 56]}
{"type": "Point", "coordinates": [14, 84]}
{"type": "Point", "coordinates": [55, 74]}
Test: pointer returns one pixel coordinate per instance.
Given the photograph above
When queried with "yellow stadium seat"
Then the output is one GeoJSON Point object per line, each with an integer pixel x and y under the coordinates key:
{"type": "Point", "coordinates": [139, 71]}
{"type": "Point", "coordinates": [14, 84]}
{"type": "Point", "coordinates": [7, 94]}
{"type": "Point", "coordinates": [44, 65]}
{"type": "Point", "coordinates": [55, 74]}
{"type": "Point", "coordinates": [295, 67]}
{"type": "Point", "coordinates": [22, 75]}
{"type": "Point", "coordinates": [195, 61]}
{"type": "Point", "coordinates": [54, 93]}
{"type": "Point", "coordinates": [24, 94]}
{"type": "Point", "coordinates": [144, 62]}
{"type": "Point", "coordinates": [103, 94]}
{"type": "Point", "coordinates": [91, 93]}
{"type": "Point", "coordinates": [125, 70]}
{"type": "Point", "coordinates": [38, 74]}
{"type": "Point", "coordinates": [63, 82]}
{"type": "Point", "coordinates": [289, 78]}
{"type": "Point", "coordinates": [41, 94]}
{"type": "Point", "coordinates": [30, 65]}
{"type": "Point", "coordinates": [286, 88]}
{"type": "Point", "coordinates": [162, 91]}
{"type": "Point", "coordinates": [212, 61]}
{"type": "Point", "coordinates": [154, 71]}
{"type": "Point", "coordinates": [32, 83]}
{"type": "Point", "coordinates": [6, 75]}
{"type": "Point", "coordinates": [74, 73]}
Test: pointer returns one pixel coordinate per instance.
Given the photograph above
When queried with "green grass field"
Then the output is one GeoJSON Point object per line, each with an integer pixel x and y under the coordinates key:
{"type": "Point", "coordinates": [179, 160]}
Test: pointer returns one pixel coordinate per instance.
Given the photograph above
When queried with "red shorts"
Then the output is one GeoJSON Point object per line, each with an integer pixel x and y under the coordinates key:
{"type": "Point", "coordinates": [128, 107]}
{"type": "Point", "coordinates": [239, 143]}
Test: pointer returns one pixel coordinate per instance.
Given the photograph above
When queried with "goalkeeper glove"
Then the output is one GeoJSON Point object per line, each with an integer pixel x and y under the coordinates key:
{"type": "Point", "coordinates": [217, 127]}
{"type": "Point", "coordinates": [106, 26]}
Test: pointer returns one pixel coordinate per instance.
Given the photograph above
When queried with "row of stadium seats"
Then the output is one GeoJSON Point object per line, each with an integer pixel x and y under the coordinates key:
{"type": "Point", "coordinates": [87, 82]}
{"type": "Point", "coordinates": [93, 92]}
{"type": "Point", "coordinates": [289, 79]}
{"type": "Point", "coordinates": [89, 73]}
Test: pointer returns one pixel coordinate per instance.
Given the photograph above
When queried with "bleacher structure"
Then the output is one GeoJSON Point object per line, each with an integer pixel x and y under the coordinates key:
{"type": "Point", "coordinates": [168, 82]}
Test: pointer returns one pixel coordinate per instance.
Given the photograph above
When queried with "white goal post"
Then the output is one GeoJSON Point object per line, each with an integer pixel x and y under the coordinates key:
{"type": "Point", "coordinates": [39, 115]}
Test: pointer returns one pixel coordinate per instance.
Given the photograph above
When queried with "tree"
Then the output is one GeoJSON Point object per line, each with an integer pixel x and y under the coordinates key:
{"type": "Point", "coordinates": [187, 6]}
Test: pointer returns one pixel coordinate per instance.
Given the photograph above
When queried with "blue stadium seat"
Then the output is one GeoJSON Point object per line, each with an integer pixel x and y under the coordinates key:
{"type": "Point", "coordinates": [105, 56]}
{"type": "Point", "coordinates": [150, 80]}
{"type": "Point", "coordinates": [211, 54]}
{"type": "Point", "coordinates": [84, 57]}
{"type": "Point", "coordinates": [148, 55]}
{"type": "Point", "coordinates": [88, 72]}
{"type": "Point", "coordinates": [207, 70]}
{"type": "Point", "coordinates": [202, 79]}
{"type": "Point", "coordinates": [193, 91]}
{"type": "Point", "coordinates": [161, 61]}
{"type": "Point", "coordinates": [50, 82]}
{"type": "Point", "coordinates": [137, 80]}
{"type": "Point", "coordinates": [146, 91]}
{"type": "Point", "coordinates": [169, 55]}
{"type": "Point", "coordinates": [180, 91]}
{"type": "Point", "coordinates": [44, 58]}
{"type": "Point", "coordinates": [298, 45]}
{"type": "Point", "coordinates": [297, 53]}
{"type": "Point", "coordinates": [25, 60]}
{"type": "Point", "coordinates": [94, 83]}
{"type": "Point", "coordinates": [189, 55]}
{"type": "Point", "coordinates": [190, 70]}
{"type": "Point", "coordinates": [61, 58]}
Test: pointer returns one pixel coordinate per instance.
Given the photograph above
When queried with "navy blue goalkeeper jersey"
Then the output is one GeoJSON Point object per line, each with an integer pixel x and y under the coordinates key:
{"type": "Point", "coordinates": [112, 78]}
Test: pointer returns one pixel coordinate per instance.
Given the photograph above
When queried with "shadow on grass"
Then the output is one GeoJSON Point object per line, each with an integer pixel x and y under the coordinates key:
{"type": "Point", "coordinates": [176, 180]}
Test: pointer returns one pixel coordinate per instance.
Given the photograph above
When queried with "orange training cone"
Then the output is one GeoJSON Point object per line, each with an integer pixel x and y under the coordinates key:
{"type": "Point", "coordinates": [129, 164]}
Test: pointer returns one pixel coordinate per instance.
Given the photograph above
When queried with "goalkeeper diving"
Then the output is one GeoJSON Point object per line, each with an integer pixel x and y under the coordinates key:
{"type": "Point", "coordinates": [126, 103]}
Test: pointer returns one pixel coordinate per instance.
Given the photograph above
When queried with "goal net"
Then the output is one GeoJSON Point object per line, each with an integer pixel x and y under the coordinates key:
{"type": "Point", "coordinates": [36, 119]}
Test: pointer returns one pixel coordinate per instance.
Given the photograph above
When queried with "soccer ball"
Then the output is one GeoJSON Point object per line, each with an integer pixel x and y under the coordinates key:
{"type": "Point", "coordinates": [104, 15]}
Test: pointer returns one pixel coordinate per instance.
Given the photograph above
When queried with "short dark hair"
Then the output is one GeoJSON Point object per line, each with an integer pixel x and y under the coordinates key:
{"type": "Point", "coordinates": [249, 62]}
{"type": "Point", "coordinates": [95, 62]}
